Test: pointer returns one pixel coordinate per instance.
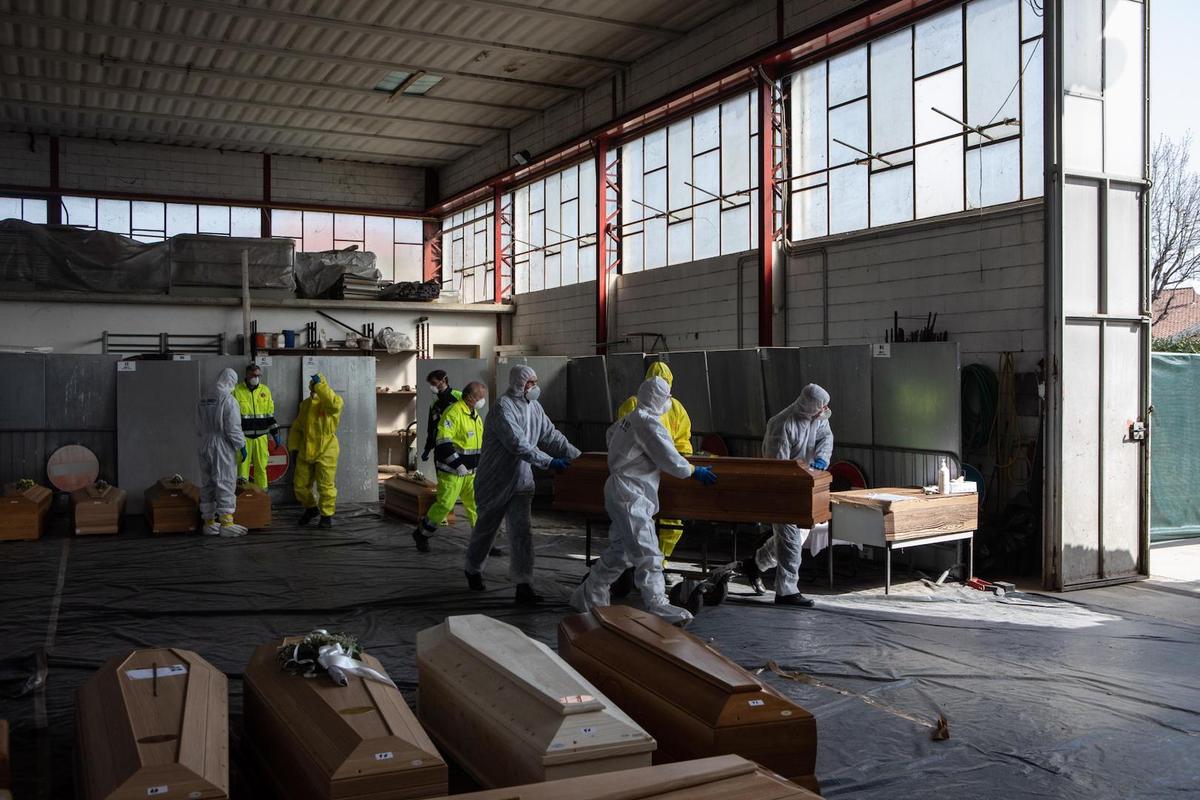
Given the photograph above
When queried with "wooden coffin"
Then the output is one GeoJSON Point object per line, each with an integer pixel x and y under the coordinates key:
{"type": "Point", "coordinates": [917, 515]}
{"type": "Point", "coordinates": [98, 509]}
{"type": "Point", "coordinates": [717, 778]}
{"type": "Point", "coordinates": [409, 499]}
{"type": "Point", "coordinates": [154, 723]}
{"type": "Point", "coordinates": [693, 700]}
{"type": "Point", "coordinates": [510, 711]}
{"type": "Point", "coordinates": [314, 739]}
{"type": "Point", "coordinates": [747, 490]}
{"type": "Point", "coordinates": [5, 768]}
{"type": "Point", "coordinates": [173, 506]}
{"type": "Point", "coordinates": [253, 509]}
{"type": "Point", "coordinates": [23, 512]}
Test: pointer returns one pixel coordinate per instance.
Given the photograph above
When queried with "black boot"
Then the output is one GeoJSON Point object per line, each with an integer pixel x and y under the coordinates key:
{"type": "Point", "coordinates": [420, 535]}
{"type": "Point", "coordinates": [496, 552]}
{"type": "Point", "coordinates": [309, 515]}
{"type": "Point", "coordinates": [752, 574]}
{"type": "Point", "coordinates": [622, 586]}
{"type": "Point", "coordinates": [797, 600]}
{"type": "Point", "coordinates": [526, 596]}
{"type": "Point", "coordinates": [475, 581]}
{"type": "Point", "coordinates": [326, 522]}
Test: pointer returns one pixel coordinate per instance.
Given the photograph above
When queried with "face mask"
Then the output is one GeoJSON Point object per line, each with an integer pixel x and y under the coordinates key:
{"type": "Point", "coordinates": [533, 393]}
{"type": "Point", "coordinates": [252, 382]}
{"type": "Point", "coordinates": [480, 403]}
{"type": "Point", "coordinates": [826, 414]}
{"type": "Point", "coordinates": [435, 389]}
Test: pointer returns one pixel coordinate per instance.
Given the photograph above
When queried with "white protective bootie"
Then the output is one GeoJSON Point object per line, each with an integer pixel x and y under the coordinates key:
{"type": "Point", "coordinates": [230, 529]}
{"type": "Point", "coordinates": [671, 613]}
{"type": "Point", "coordinates": [211, 528]}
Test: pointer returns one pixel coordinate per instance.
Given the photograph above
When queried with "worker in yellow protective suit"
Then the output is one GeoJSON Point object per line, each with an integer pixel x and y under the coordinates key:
{"type": "Point", "coordinates": [459, 441]}
{"type": "Point", "coordinates": [257, 407]}
{"type": "Point", "coordinates": [679, 426]}
{"type": "Point", "coordinates": [314, 445]}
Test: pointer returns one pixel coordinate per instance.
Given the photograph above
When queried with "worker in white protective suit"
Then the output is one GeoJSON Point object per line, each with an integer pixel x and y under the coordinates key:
{"type": "Point", "coordinates": [800, 432]}
{"type": "Point", "coordinates": [639, 448]}
{"type": "Point", "coordinates": [222, 446]}
{"type": "Point", "coordinates": [517, 436]}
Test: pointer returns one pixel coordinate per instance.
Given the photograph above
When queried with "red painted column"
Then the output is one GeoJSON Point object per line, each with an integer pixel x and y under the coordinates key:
{"type": "Point", "coordinates": [497, 246]}
{"type": "Point", "coordinates": [766, 214]}
{"type": "Point", "coordinates": [431, 235]}
{"type": "Point", "coordinates": [602, 245]}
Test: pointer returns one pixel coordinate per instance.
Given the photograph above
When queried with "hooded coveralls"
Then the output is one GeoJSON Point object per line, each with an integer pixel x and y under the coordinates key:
{"type": "Point", "coordinates": [220, 425]}
{"type": "Point", "coordinates": [313, 436]}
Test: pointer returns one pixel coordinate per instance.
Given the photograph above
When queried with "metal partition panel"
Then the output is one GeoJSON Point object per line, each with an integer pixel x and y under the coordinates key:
{"type": "Point", "coordinates": [845, 372]}
{"type": "Point", "coordinates": [23, 391]}
{"type": "Point", "coordinates": [81, 392]}
{"type": "Point", "coordinates": [783, 377]}
{"type": "Point", "coordinates": [691, 387]}
{"type": "Point", "coordinates": [626, 371]}
{"type": "Point", "coordinates": [735, 384]}
{"type": "Point", "coordinates": [352, 377]}
{"type": "Point", "coordinates": [156, 425]}
{"type": "Point", "coordinates": [917, 397]}
{"type": "Point", "coordinates": [587, 389]}
{"type": "Point", "coordinates": [460, 371]}
{"type": "Point", "coordinates": [552, 377]}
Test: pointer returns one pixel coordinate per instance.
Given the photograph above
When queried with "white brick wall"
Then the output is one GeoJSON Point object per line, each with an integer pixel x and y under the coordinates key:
{"type": "Point", "coordinates": [99, 165]}
{"type": "Point", "coordinates": [346, 183]}
{"type": "Point", "coordinates": [21, 166]}
{"type": "Point", "coordinates": [931, 267]}
{"type": "Point", "coordinates": [559, 322]}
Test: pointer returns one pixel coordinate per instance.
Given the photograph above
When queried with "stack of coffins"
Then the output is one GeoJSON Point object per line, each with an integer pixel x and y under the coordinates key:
{"type": "Point", "coordinates": [747, 490]}
{"type": "Point", "coordinates": [98, 508]}
{"type": "Point", "coordinates": [23, 510]}
{"type": "Point", "coordinates": [173, 506]}
{"type": "Point", "coordinates": [154, 723]}
{"type": "Point", "coordinates": [717, 778]}
{"type": "Point", "coordinates": [315, 740]}
{"type": "Point", "coordinates": [253, 509]}
{"type": "Point", "coordinates": [408, 498]}
{"type": "Point", "coordinates": [693, 700]}
{"type": "Point", "coordinates": [511, 711]}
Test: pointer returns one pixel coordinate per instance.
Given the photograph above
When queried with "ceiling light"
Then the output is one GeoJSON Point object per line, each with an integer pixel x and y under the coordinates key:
{"type": "Point", "coordinates": [392, 81]}
{"type": "Point", "coordinates": [522, 157]}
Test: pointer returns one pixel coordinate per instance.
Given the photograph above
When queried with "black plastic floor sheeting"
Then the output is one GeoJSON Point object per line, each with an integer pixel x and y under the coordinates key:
{"type": "Point", "coordinates": [1046, 697]}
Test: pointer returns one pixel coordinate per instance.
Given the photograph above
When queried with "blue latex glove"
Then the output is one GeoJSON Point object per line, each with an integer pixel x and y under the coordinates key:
{"type": "Point", "coordinates": [705, 475]}
{"type": "Point", "coordinates": [243, 452]}
{"type": "Point", "coordinates": [314, 379]}
{"type": "Point", "coordinates": [819, 463]}
{"type": "Point", "coordinates": [278, 441]}
{"type": "Point", "coordinates": [559, 464]}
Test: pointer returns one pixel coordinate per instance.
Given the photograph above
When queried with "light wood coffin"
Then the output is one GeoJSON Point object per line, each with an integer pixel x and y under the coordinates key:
{"type": "Point", "coordinates": [23, 512]}
{"type": "Point", "coordinates": [919, 516]}
{"type": "Point", "coordinates": [718, 778]}
{"type": "Point", "coordinates": [98, 509]}
{"type": "Point", "coordinates": [510, 711]}
{"type": "Point", "coordinates": [173, 507]}
{"type": "Point", "coordinates": [145, 736]}
{"type": "Point", "coordinates": [316, 740]}
{"type": "Point", "coordinates": [747, 490]}
{"type": "Point", "coordinates": [409, 499]}
{"type": "Point", "coordinates": [693, 700]}
{"type": "Point", "coordinates": [253, 510]}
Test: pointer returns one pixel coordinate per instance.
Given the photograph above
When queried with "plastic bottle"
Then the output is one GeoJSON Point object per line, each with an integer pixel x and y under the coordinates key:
{"type": "Point", "coordinates": [944, 478]}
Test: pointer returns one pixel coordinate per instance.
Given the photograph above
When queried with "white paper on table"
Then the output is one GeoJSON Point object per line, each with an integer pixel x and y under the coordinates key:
{"type": "Point", "coordinates": [890, 498]}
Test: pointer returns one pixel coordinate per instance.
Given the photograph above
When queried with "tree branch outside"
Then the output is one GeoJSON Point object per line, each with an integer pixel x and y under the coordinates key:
{"type": "Point", "coordinates": [1174, 221]}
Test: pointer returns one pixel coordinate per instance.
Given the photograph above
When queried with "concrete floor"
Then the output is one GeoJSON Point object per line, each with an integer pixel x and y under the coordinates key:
{"type": "Point", "coordinates": [1177, 563]}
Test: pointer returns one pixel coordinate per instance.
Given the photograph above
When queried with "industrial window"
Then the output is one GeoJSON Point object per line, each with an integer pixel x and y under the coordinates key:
{"type": "Point", "coordinates": [689, 191]}
{"type": "Point", "coordinates": [148, 221]}
{"type": "Point", "coordinates": [936, 118]}
{"type": "Point", "coordinates": [554, 230]}
{"type": "Point", "coordinates": [395, 241]}
{"type": "Point", "coordinates": [467, 254]}
{"type": "Point", "coordinates": [23, 208]}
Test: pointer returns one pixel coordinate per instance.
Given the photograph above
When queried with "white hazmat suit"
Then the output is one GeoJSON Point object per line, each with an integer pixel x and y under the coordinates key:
{"type": "Point", "coordinates": [219, 422]}
{"type": "Point", "coordinates": [517, 436]}
{"type": "Point", "coordinates": [639, 447]}
{"type": "Point", "coordinates": [798, 433]}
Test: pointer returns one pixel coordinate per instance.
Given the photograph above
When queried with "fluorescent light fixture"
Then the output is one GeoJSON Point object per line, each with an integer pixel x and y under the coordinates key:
{"type": "Point", "coordinates": [522, 157]}
{"type": "Point", "coordinates": [407, 83]}
{"type": "Point", "coordinates": [421, 83]}
{"type": "Point", "coordinates": [391, 82]}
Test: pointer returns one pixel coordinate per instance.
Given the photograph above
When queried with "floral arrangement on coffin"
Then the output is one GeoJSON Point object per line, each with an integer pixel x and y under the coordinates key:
{"type": "Point", "coordinates": [335, 654]}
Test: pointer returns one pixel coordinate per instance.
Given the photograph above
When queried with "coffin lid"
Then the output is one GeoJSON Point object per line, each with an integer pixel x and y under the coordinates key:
{"type": "Point", "coordinates": [554, 684]}
{"type": "Point", "coordinates": [683, 650]}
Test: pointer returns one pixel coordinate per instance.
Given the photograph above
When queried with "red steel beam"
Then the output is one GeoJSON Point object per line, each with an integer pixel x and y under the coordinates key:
{"type": "Point", "coordinates": [602, 245]}
{"type": "Point", "coordinates": [766, 213]}
{"type": "Point", "coordinates": [497, 246]}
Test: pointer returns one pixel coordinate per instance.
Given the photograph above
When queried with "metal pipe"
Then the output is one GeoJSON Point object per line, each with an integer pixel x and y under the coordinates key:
{"type": "Point", "coordinates": [246, 300]}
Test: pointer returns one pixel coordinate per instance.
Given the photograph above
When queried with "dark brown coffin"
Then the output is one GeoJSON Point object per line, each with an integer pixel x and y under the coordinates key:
{"type": "Point", "coordinates": [5, 773]}
{"type": "Point", "coordinates": [315, 740]}
{"type": "Point", "coordinates": [747, 490]}
{"type": "Point", "coordinates": [409, 499]}
{"type": "Point", "coordinates": [98, 510]}
{"type": "Point", "coordinates": [694, 701]}
{"type": "Point", "coordinates": [717, 778]}
{"type": "Point", "coordinates": [253, 509]}
{"type": "Point", "coordinates": [23, 512]}
{"type": "Point", "coordinates": [173, 507]}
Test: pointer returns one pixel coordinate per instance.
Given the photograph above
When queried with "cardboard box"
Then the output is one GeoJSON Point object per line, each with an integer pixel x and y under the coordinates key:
{"type": "Point", "coordinates": [153, 723]}
{"type": "Point", "coordinates": [173, 507]}
{"type": "Point", "coordinates": [23, 512]}
{"type": "Point", "coordinates": [98, 509]}
{"type": "Point", "coordinates": [510, 711]}
{"type": "Point", "coordinates": [314, 740]}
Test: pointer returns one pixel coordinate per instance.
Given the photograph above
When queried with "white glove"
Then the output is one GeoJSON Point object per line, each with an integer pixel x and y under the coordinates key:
{"type": "Point", "coordinates": [461, 471]}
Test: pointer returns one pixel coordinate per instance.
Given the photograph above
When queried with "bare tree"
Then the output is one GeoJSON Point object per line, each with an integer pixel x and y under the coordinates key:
{"type": "Point", "coordinates": [1174, 221]}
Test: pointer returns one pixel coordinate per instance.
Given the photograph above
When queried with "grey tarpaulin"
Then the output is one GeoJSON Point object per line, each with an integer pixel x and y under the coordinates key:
{"type": "Point", "coordinates": [316, 273]}
{"type": "Point", "coordinates": [1092, 698]}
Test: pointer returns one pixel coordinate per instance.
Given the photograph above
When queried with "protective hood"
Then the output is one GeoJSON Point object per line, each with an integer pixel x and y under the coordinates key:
{"type": "Point", "coordinates": [811, 400]}
{"type": "Point", "coordinates": [225, 382]}
{"type": "Point", "coordinates": [654, 396]}
{"type": "Point", "coordinates": [660, 370]}
{"type": "Point", "coordinates": [518, 376]}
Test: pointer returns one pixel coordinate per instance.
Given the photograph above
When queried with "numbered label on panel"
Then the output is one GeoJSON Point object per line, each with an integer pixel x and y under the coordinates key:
{"type": "Point", "coordinates": [385, 756]}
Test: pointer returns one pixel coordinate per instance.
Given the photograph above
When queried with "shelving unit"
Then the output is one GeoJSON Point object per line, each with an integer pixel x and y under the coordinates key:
{"type": "Point", "coordinates": [395, 407]}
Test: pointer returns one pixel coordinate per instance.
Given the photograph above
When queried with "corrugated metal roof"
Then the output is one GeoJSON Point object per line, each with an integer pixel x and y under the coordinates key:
{"type": "Point", "coordinates": [297, 76]}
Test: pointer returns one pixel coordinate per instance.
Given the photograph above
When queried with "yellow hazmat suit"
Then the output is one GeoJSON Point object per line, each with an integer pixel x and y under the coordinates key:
{"type": "Point", "coordinates": [679, 425]}
{"type": "Point", "coordinates": [258, 422]}
{"type": "Point", "coordinates": [313, 437]}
